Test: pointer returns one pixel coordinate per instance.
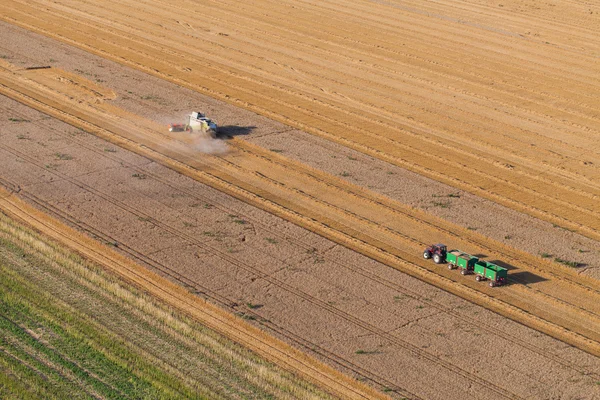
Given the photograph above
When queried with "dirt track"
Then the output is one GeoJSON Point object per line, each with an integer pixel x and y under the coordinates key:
{"type": "Point", "coordinates": [378, 222]}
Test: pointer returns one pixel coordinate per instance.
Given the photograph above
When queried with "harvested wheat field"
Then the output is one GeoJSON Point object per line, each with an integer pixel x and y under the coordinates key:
{"type": "Point", "coordinates": [352, 135]}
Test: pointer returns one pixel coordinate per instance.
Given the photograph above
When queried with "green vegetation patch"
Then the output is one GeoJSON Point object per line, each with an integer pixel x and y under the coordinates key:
{"type": "Point", "coordinates": [572, 264]}
{"type": "Point", "coordinates": [70, 330]}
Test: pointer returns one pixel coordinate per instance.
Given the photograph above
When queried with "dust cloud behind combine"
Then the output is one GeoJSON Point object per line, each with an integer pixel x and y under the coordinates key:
{"type": "Point", "coordinates": [191, 144]}
{"type": "Point", "coordinates": [208, 145]}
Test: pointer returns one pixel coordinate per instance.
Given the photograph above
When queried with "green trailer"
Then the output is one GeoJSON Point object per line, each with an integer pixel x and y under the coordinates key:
{"type": "Point", "coordinates": [487, 271]}
{"type": "Point", "coordinates": [458, 259]}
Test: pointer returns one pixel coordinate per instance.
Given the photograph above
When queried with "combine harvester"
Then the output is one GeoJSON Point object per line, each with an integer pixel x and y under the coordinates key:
{"type": "Point", "coordinates": [467, 264]}
{"type": "Point", "coordinates": [196, 123]}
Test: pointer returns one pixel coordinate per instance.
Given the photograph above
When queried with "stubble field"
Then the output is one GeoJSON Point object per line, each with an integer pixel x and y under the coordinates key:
{"type": "Point", "coordinates": [358, 133]}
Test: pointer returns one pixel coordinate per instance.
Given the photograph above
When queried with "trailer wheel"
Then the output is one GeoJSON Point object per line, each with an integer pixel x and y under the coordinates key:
{"type": "Point", "coordinates": [463, 271]}
{"type": "Point", "coordinates": [426, 255]}
{"type": "Point", "coordinates": [437, 259]}
{"type": "Point", "coordinates": [478, 278]}
{"type": "Point", "coordinates": [450, 266]}
{"type": "Point", "coordinates": [492, 283]}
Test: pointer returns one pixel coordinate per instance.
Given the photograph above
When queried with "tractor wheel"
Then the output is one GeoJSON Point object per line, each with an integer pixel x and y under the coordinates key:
{"type": "Point", "coordinates": [478, 278]}
{"type": "Point", "coordinates": [437, 259]}
{"type": "Point", "coordinates": [426, 255]}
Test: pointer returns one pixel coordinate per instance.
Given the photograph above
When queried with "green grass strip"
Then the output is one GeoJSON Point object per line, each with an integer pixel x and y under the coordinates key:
{"type": "Point", "coordinates": [69, 329]}
{"type": "Point", "coordinates": [101, 357]}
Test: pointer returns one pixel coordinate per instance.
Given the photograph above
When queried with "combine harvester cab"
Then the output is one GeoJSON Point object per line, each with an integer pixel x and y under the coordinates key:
{"type": "Point", "coordinates": [487, 271]}
{"type": "Point", "coordinates": [458, 259]}
{"type": "Point", "coordinates": [196, 123]}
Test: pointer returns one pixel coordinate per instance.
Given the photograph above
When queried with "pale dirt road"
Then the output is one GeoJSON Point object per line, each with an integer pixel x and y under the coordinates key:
{"type": "Point", "coordinates": [387, 226]}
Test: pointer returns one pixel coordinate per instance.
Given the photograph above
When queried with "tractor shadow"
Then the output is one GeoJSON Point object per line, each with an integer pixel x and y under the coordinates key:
{"type": "Point", "coordinates": [520, 277]}
{"type": "Point", "coordinates": [230, 131]}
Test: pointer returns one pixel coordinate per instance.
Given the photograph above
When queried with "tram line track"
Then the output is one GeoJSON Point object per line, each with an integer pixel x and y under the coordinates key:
{"type": "Point", "coordinates": [365, 248]}
{"type": "Point", "coordinates": [396, 341]}
{"type": "Point", "coordinates": [184, 301]}
{"type": "Point", "coordinates": [204, 291]}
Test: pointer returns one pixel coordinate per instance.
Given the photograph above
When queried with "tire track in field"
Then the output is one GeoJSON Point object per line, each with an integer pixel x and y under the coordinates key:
{"type": "Point", "coordinates": [560, 27]}
{"type": "Point", "coordinates": [483, 192]}
{"type": "Point", "coordinates": [465, 13]}
{"type": "Point", "coordinates": [431, 172]}
{"type": "Point", "coordinates": [224, 323]}
{"type": "Point", "coordinates": [198, 288]}
{"type": "Point", "coordinates": [353, 242]}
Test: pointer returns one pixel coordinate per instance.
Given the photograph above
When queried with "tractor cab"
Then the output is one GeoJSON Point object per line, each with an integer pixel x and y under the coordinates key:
{"type": "Point", "coordinates": [437, 252]}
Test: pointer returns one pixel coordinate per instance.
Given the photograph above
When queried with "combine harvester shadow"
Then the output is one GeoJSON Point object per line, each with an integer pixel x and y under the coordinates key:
{"type": "Point", "coordinates": [230, 131]}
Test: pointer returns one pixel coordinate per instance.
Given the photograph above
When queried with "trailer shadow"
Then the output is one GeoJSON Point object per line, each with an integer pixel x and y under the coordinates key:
{"type": "Point", "coordinates": [524, 278]}
{"type": "Point", "coordinates": [230, 131]}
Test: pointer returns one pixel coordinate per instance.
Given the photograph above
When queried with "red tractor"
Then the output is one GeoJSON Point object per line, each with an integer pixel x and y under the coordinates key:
{"type": "Point", "coordinates": [437, 252]}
